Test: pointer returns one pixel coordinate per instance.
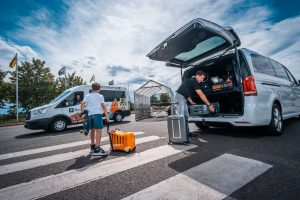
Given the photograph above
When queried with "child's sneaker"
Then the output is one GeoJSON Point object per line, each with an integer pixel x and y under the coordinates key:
{"type": "Point", "coordinates": [98, 151]}
{"type": "Point", "coordinates": [92, 148]}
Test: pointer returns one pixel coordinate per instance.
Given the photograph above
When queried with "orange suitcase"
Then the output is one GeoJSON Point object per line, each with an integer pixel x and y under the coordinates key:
{"type": "Point", "coordinates": [120, 140]}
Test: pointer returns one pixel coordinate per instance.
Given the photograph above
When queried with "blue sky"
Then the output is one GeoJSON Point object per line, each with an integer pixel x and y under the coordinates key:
{"type": "Point", "coordinates": [111, 38]}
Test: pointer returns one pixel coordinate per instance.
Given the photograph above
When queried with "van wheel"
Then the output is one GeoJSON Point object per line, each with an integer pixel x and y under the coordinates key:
{"type": "Point", "coordinates": [201, 126]}
{"type": "Point", "coordinates": [58, 125]}
{"type": "Point", "coordinates": [118, 117]}
{"type": "Point", "coordinates": [276, 125]}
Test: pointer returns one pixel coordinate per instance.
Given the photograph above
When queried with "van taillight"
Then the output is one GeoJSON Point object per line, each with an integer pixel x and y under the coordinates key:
{"type": "Point", "coordinates": [249, 86]}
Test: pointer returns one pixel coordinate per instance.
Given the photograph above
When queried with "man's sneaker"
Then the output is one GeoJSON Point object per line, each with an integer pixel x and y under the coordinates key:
{"type": "Point", "coordinates": [85, 132]}
{"type": "Point", "coordinates": [192, 135]}
{"type": "Point", "coordinates": [98, 151]}
{"type": "Point", "coordinates": [92, 148]}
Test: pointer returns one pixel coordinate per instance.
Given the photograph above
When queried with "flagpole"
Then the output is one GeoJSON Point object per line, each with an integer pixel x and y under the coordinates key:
{"type": "Point", "coordinates": [17, 88]}
{"type": "Point", "coordinates": [65, 78]}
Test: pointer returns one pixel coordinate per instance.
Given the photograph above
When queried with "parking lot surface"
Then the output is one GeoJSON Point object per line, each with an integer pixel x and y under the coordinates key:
{"type": "Point", "coordinates": [220, 163]}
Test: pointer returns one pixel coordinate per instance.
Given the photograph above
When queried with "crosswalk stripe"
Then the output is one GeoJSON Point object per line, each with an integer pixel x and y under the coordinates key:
{"type": "Point", "coordinates": [51, 148]}
{"type": "Point", "coordinates": [55, 183]}
{"type": "Point", "coordinates": [29, 164]}
{"type": "Point", "coordinates": [212, 180]}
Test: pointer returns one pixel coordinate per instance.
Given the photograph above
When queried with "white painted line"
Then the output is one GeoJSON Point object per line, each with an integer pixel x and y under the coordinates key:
{"type": "Point", "coordinates": [55, 183]}
{"type": "Point", "coordinates": [29, 164]}
{"type": "Point", "coordinates": [51, 148]}
{"type": "Point", "coordinates": [201, 140]}
{"type": "Point", "coordinates": [212, 180]}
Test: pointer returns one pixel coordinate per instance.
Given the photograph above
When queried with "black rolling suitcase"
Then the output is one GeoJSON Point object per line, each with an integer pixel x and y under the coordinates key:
{"type": "Point", "coordinates": [177, 129]}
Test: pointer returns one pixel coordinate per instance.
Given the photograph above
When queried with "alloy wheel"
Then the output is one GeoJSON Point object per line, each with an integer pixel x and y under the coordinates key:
{"type": "Point", "coordinates": [59, 125]}
{"type": "Point", "coordinates": [277, 120]}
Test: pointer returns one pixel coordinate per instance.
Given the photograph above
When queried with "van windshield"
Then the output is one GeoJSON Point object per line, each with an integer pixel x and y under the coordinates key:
{"type": "Point", "coordinates": [60, 97]}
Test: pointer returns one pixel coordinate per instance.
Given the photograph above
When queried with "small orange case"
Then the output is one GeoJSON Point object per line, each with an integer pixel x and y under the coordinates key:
{"type": "Point", "coordinates": [122, 141]}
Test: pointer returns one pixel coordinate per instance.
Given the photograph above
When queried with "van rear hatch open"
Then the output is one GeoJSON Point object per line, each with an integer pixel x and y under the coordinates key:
{"type": "Point", "coordinates": [193, 45]}
{"type": "Point", "coordinates": [196, 40]}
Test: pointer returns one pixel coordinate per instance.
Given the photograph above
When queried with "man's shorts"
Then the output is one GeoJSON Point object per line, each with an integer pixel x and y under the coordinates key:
{"type": "Point", "coordinates": [96, 121]}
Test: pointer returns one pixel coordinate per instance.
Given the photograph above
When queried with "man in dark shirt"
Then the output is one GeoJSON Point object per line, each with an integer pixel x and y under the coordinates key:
{"type": "Point", "coordinates": [184, 92]}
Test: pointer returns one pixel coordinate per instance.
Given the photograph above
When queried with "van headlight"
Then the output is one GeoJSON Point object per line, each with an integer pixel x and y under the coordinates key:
{"type": "Point", "coordinates": [40, 111]}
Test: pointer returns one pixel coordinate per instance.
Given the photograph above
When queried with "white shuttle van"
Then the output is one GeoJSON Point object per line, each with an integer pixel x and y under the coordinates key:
{"type": "Point", "coordinates": [64, 110]}
{"type": "Point", "coordinates": [252, 89]}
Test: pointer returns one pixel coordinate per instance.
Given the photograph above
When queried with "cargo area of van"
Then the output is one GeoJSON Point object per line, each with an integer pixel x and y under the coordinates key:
{"type": "Point", "coordinates": [221, 83]}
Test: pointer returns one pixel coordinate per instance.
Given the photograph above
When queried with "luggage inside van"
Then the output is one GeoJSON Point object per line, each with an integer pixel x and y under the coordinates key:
{"type": "Point", "coordinates": [221, 84]}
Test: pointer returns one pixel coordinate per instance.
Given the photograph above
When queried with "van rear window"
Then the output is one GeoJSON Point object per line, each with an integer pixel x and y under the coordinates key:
{"type": "Point", "coordinates": [111, 95]}
{"type": "Point", "coordinates": [201, 48]}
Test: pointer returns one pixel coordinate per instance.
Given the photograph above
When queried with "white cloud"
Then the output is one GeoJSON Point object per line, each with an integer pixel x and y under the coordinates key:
{"type": "Point", "coordinates": [280, 41]}
{"type": "Point", "coordinates": [8, 51]}
{"type": "Point", "coordinates": [121, 33]}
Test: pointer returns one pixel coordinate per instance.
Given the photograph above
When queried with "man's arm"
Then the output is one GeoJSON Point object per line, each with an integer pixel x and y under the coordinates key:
{"type": "Point", "coordinates": [203, 97]}
{"type": "Point", "coordinates": [205, 100]}
{"type": "Point", "coordinates": [82, 105]}
{"type": "Point", "coordinates": [105, 111]}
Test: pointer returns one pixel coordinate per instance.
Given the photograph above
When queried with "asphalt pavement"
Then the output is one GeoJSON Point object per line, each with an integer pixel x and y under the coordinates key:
{"type": "Point", "coordinates": [220, 163]}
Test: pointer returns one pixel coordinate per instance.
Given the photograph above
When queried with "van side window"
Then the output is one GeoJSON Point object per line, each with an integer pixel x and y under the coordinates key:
{"type": "Point", "coordinates": [111, 95]}
{"type": "Point", "coordinates": [292, 79]}
{"type": "Point", "coordinates": [279, 70]}
{"type": "Point", "coordinates": [72, 100]}
{"type": "Point", "coordinates": [262, 65]}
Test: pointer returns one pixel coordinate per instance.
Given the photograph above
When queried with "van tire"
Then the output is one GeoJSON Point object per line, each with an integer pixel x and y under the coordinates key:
{"type": "Point", "coordinates": [58, 125]}
{"type": "Point", "coordinates": [118, 117]}
{"type": "Point", "coordinates": [201, 126]}
{"type": "Point", "coordinates": [276, 126]}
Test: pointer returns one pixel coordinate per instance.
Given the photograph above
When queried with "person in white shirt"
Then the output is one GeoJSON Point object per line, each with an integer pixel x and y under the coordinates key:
{"type": "Point", "coordinates": [94, 103]}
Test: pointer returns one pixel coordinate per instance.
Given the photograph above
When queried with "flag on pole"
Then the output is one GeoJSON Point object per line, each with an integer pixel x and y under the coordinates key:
{"type": "Point", "coordinates": [13, 62]}
{"type": "Point", "coordinates": [93, 79]}
{"type": "Point", "coordinates": [111, 82]}
{"type": "Point", "coordinates": [62, 71]}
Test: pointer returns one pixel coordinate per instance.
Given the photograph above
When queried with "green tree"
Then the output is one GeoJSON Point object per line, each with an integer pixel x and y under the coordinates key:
{"type": "Point", "coordinates": [165, 98]}
{"type": "Point", "coordinates": [71, 80]}
{"type": "Point", "coordinates": [154, 99]}
{"type": "Point", "coordinates": [3, 88]}
{"type": "Point", "coordinates": [36, 84]}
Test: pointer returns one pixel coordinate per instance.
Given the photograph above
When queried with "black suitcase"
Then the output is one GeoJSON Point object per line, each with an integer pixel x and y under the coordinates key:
{"type": "Point", "coordinates": [199, 110]}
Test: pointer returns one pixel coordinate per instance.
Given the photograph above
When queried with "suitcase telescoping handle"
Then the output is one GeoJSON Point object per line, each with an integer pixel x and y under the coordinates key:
{"type": "Point", "coordinates": [107, 127]}
{"type": "Point", "coordinates": [173, 108]}
{"type": "Point", "coordinates": [109, 136]}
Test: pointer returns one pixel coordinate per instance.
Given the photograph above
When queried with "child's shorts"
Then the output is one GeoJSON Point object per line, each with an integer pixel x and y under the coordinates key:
{"type": "Point", "coordinates": [96, 121]}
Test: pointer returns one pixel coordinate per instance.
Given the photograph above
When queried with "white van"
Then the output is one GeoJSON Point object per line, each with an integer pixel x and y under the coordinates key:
{"type": "Point", "coordinates": [252, 89]}
{"type": "Point", "coordinates": [64, 110]}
